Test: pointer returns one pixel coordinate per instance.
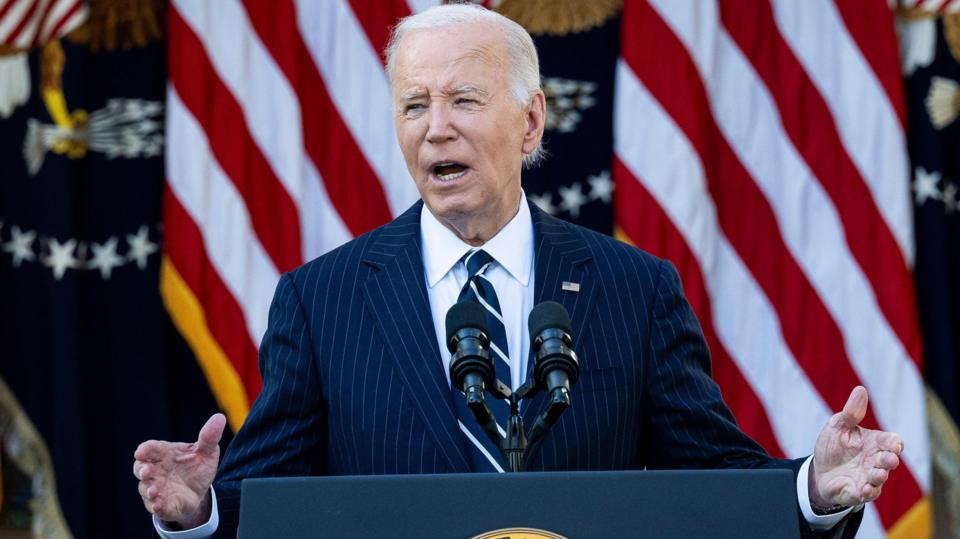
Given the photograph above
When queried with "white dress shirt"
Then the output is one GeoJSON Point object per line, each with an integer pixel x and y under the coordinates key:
{"type": "Point", "coordinates": [512, 278]}
{"type": "Point", "coordinates": [511, 275]}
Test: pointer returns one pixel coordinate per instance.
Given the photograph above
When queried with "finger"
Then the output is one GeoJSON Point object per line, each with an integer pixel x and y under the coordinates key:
{"type": "Point", "coordinates": [136, 468]}
{"type": "Point", "coordinates": [151, 451]}
{"type": "Point", "coordinates": [890, 441]}
{"type": "Point", "coordinates": [877, 477]}
{"type": "Point", "coordinates": [856, 407]}
{"type": "Point", "coordinates": [211, 432]}
{"type": "Point", "coordinates": [869, 493]}
{"type": "Point", "coordinates": [886, 460]}
{"type": "Point", "coordinates": [146, 473]}
{"type": "Point", "coordinates": [143, 489]}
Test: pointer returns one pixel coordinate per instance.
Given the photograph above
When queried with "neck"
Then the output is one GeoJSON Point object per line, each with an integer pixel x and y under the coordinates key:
{"type": "Point", "coordinates": [478, 230]}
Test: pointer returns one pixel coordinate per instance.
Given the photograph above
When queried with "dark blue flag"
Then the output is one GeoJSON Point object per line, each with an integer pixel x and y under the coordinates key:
{"type": "Point", "coordinates": [86, 347]}
{"type": "Point", "coordinates": [932, 70]}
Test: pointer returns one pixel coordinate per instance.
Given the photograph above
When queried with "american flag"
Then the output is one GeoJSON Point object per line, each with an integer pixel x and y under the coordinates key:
{"type": "Point", "coordinates": [28, 23]}
{"type": "Point", "coordinates": [758, 145]}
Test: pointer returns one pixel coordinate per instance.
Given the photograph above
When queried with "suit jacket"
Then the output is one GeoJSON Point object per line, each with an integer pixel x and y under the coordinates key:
{"type": "Point", "coordinates": [353, 383]}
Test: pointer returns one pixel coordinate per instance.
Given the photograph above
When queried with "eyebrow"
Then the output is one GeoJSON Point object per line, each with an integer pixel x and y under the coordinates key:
{"type": "Point", "coordinates": [468, 89]}
{"type": "Point", "coordinates": [460, 90]}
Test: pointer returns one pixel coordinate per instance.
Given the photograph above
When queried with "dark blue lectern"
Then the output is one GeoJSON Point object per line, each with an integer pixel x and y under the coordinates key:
{"type": "Point", "coordinates": [656, 504]}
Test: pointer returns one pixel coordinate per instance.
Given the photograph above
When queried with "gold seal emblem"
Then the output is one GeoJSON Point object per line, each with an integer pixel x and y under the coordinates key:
{"type": "Point", "coordinates": [518, 533]}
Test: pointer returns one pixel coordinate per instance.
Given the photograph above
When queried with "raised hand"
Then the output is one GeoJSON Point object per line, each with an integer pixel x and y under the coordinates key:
{"type": "Point", "coordinates": [175, 477]}
{"type": "Point", "coordinates": [851, 463]}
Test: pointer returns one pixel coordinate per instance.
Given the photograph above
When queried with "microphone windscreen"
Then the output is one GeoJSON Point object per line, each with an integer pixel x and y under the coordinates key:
{"type": "Point", "coordinates": [548, 314]}
{"type": "Point", "coordinates": [466, 314]}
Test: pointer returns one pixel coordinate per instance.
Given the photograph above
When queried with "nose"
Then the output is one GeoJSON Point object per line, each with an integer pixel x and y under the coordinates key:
{"type": "Point", "coordinates": [440, 127]}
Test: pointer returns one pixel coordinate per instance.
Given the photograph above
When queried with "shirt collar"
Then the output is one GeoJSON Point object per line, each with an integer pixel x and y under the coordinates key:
{"type": "Point", "coordinates": [512, 247]}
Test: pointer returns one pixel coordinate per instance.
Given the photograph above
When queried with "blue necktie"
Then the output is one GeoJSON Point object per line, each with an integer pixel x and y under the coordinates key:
{"type": "Point", "coordinates": [484, 455]}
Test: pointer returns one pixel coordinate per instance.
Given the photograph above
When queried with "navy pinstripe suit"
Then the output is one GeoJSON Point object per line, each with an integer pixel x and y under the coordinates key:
{"type": "Point", "coordinates": [353, 383]}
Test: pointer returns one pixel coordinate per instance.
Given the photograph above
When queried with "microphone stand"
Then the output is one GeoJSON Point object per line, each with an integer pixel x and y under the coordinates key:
{"type": "Point", "coordinates": [514, 446]}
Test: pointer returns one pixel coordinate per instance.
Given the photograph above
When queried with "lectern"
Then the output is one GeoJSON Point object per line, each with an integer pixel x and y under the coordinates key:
{"type": "Point", "coordinates": [574, 505]}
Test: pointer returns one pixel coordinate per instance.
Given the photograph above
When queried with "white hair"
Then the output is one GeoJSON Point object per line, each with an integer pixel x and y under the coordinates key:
{"type": "Point", "coordinates": [523, 65]}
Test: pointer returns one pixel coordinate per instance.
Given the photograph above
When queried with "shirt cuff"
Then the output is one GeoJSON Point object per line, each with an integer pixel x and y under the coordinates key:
{"type": "Point", "coordinates": [817, 522]}
{"type": "Point", "coordinates": [200, 532]}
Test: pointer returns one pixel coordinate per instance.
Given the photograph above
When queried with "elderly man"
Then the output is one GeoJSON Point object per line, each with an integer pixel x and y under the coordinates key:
{"type": "Point", "coordinates": [354, 364]}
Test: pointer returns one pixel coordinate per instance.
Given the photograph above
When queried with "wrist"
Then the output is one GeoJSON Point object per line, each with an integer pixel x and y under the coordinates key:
{"type": "Point", "coordinates": [198, 517]}
{"type": "Point", "coordinates": [820, 504]}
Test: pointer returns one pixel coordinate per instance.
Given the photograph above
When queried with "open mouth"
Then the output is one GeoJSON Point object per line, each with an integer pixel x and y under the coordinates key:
{"type": "Point", "coordinates": [448, 171]}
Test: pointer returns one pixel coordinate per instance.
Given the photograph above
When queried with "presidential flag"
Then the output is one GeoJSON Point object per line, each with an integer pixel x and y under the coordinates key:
{"type": "Point", "coordinates": [90, 365]}
{"type": "Point", "coordinates": [930, 62]}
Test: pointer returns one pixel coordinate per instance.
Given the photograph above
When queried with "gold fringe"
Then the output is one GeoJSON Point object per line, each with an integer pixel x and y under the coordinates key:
{"type": "Point", "coordinates": [123, 24]}
{"type": "Point", "coordinates": [32, 459]}
{"type": "Point", "coordinates": [559, 17]}
{"type": "Point", "coordinates": [6, 50]}
{"type": "Point", "coordinates": [189, 318]}
{"type": "Point", "coordinates": [914, 524]}
{"type": "Point", "coordinates": [945, 453]}
{"type": "Point", "coordinates": [52, 60]}
{"type": "Point", "coordinates": [951, 32]}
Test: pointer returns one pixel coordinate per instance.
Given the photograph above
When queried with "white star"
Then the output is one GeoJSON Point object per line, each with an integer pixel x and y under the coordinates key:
{"type": "Point", "coordinates": [140, 247]}
{"type": "Point", "coordinates": [20, 245]}
{"type": "Point", "coordinates": [601, 187]}
{"type": "Point", "coordinates": [61, 257]}
{"type": "Point", "coordinates": [950, 198]}
{"type": "Point", "coordinates": [572, 199]}
{"type": "Point", "coordinates": [105, 257]}
{"type": "Point", "coordinates": [925, 186]}
{"type": "Point", "coordinates": [544, 202]}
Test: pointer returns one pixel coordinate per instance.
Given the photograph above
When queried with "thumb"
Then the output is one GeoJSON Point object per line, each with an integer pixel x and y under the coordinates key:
{"type": "Point", "coordinates": [856, 407]}
{"type": "Point", "coordinates": [211, 432]}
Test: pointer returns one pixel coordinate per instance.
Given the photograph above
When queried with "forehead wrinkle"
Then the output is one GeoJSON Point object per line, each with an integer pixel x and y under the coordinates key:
{"type": "Point", "coordinates": [491, 52]}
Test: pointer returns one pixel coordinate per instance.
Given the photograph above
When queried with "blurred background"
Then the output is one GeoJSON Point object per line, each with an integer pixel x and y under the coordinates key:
{"type": "Point", "coordinates": [161, 164]}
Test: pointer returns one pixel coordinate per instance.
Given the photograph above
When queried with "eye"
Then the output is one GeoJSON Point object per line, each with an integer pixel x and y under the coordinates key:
{"type": "Point", "coordinates": [465, 100]}
{"type": "Point", "coordinates": [413, 107]}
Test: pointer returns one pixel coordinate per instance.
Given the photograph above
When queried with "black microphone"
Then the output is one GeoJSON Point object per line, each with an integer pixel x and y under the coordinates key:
{"type": "Point", "coordinates": [471, 367]}
{"type": "Point", "coordinates": [555, 367]}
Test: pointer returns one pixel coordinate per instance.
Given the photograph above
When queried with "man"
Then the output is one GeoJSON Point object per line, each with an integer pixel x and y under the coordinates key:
{"type": "Point", "coordinates": [354, 364]}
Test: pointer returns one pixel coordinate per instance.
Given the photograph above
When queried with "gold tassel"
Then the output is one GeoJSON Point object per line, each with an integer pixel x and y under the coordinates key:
{"type": "Point", "coordinates": [951, 32]}
{"type": "Point", "coordinates": [559, 17]}
{"type": "Point", "coordinates": [123, 24]}
{"type": "Point", "coordinates": [52, 60]}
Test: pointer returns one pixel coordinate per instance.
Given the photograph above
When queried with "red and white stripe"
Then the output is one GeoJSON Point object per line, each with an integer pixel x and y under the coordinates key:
{"type": "Point", "coordinates": [760, 146]}
{"type": "Point", "coordinates": [932, 6]}
{"type": "Point", "coordinates": [280, 147]}
{"type": "Point", "coordinates": [28, 23]}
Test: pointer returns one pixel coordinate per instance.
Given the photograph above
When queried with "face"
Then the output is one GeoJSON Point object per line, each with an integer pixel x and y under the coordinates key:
{"type": "Point", "coordinates": [462, 134]}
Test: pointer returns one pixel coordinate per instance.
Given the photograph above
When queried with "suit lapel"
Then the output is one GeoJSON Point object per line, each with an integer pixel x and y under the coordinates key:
{"type": "Point", "coordinates": [561, 256]}
{"type": "Point", "coordinates": [396, 296]}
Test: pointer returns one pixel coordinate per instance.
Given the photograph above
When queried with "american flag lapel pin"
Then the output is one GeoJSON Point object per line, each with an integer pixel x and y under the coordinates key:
{"type": "Point", "coordinates": [570, 287]}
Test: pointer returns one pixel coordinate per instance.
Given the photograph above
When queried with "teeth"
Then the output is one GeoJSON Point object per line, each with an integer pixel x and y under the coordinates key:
{"type": "Point", "coordinates": [448, 177]}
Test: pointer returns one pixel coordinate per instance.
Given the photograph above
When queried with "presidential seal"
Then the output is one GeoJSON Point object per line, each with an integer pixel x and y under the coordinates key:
{"type": "Point", "coordinates": [519, 533]}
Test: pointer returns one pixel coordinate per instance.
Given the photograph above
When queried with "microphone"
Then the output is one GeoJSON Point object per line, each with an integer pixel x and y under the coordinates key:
{"type": "Point", "coordinates": [555, 367]}
{"type": "Point", "coordinates": [471, 367]}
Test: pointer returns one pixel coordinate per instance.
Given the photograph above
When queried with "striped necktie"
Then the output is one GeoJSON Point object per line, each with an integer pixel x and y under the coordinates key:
{"type": "Point", "coordinates": [484, 455]}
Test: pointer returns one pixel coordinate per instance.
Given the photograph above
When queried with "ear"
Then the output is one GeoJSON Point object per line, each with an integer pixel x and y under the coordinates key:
{"type": "Point", "coordinates": [536, 117]}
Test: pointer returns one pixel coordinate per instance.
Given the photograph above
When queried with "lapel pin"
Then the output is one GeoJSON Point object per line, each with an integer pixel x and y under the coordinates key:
{"type": "Point", "coordinates": [570, 287]}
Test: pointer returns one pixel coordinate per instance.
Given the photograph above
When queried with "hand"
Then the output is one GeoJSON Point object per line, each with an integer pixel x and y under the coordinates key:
{"type": "Point", "coordinates": [175, 477]}
{"type": "Point", "coordinates": [851, 463]}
